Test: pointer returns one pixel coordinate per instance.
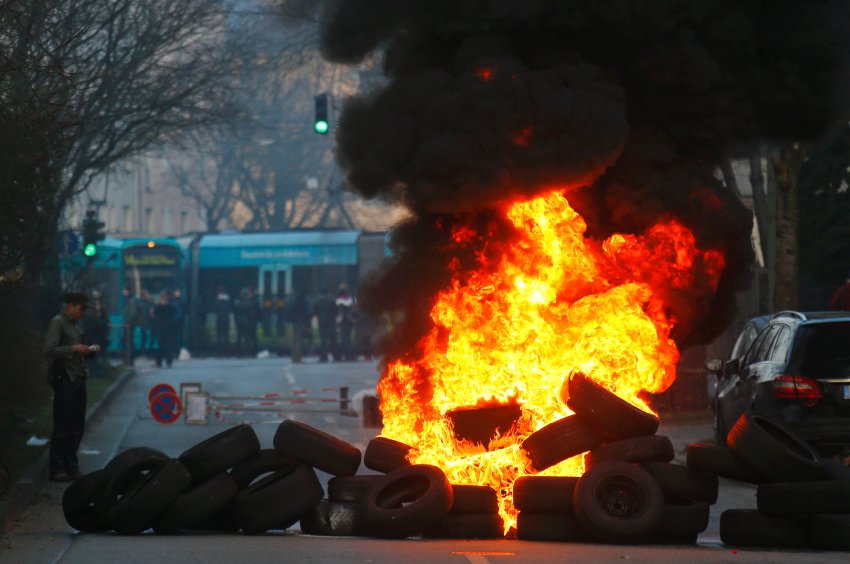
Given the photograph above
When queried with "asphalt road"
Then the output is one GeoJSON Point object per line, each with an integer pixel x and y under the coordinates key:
{"type": "Point", "coordinates": [42, 535]}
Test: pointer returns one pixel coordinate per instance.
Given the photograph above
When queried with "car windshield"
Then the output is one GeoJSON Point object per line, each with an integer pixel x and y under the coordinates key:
{"type": "Point", "coordinates": [823, 351]}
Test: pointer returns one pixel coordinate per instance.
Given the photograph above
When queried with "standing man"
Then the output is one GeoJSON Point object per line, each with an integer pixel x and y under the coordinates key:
{"type": "Point", "coordinates": [299, 315]}
{"type": "Point", "coordinates": [164, 319]}
{"type": "Point", "coordinates": [64, 344]}
{"type": "Point", "coordinates": [222, 309]}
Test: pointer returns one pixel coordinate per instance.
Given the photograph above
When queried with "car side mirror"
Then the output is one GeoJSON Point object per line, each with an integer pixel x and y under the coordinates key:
{"type": "Point", "coordinates": [714, 365]}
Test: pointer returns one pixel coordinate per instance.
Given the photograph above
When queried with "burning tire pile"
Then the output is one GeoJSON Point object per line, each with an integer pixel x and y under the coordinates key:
{"type": "Point", "coordinates": [630, 492]}
{"type": "Point", "coordinates": [803, 501]}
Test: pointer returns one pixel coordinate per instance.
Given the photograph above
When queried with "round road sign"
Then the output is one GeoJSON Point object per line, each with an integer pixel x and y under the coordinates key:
{"type": "Point", "coordinates": [158, 389]}
{"type": "Point", "coordinates": [166, 408]}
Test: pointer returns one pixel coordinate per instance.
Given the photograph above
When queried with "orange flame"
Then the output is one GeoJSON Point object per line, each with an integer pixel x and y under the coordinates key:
{"type": "Point", "coordinates": [511, 333]}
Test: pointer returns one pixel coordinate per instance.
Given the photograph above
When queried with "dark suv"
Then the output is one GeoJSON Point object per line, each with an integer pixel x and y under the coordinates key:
{"type": "Point", "coordinates": [796, 370]}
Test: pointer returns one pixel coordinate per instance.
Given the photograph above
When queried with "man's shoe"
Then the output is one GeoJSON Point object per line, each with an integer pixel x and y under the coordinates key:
{"type": "Point", "coordinates": [76, 475]}
{"type": "Point", "coordinates": [60, 477]}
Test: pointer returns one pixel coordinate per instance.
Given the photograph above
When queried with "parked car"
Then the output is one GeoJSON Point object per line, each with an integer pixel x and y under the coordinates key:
{"type": "Point", "coordinates": [794, 367]}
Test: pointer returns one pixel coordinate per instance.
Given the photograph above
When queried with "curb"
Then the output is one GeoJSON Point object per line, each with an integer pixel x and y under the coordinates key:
{"type": "Point", "coordinates": [21, 494]}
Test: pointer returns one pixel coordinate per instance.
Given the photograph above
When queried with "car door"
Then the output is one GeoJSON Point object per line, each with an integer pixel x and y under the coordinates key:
{"type": "Point", "coordinates": [739, 394]}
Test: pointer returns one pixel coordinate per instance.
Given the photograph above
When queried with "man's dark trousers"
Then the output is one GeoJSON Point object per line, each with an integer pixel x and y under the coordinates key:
{"type": "Point", "coordinates": [69, 418]}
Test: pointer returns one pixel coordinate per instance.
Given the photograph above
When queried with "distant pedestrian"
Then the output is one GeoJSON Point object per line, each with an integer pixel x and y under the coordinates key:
{"type": "Point", "coordinates": [179, 318]}
{"type": "Point", "coordinates": [222, 309]}
{"type": "Point", "coordinates": [299, 316]}
{"type": "Point", "coordinates": [345, 323]}
{"type": "Point", "coordinates": [841, 299]}
{"type": "Point", "coordinates": [65, 345]}
{"type": "Point", "coordinates": [246, 313]}
{"type": "Point", "coordinates": [324, 310]}
{"type": "Point", "coordinates": [145, 320]}
{"type": "Point", "coordinates": [131, 322]}
{"type": "Point", "coordinates": [165, 317]}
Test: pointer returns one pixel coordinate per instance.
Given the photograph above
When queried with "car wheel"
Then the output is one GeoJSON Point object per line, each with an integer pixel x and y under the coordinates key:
{"type": "Point", "coordinates": [618, 502]}
{"type": "Point", "coordinates": [424, 488]}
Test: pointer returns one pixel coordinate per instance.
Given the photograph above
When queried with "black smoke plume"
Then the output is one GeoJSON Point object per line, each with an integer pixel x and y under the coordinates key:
{"type": "Point", "coordinates": [626, 105]}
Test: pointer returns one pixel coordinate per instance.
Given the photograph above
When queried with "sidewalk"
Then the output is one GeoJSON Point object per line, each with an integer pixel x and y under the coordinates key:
{"type": "Point", "coordinates": [21, 495]}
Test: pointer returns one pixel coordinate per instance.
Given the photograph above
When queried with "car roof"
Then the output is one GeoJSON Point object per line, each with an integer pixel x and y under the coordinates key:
{"type": "Point", "coordinates": [812, 316]}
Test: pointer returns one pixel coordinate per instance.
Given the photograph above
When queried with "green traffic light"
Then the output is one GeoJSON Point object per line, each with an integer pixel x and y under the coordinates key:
{"type": "Point", "coordinates": [90, 250]}
{"type": "Point", "coordinates": [321, 126]}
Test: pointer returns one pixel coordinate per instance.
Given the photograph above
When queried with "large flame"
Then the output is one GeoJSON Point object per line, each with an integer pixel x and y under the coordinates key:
{"type": "Point", "coordinates": [512, 332]}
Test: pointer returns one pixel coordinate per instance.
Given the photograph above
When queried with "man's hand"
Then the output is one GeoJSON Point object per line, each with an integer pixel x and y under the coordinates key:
{"type": "Point", "coordinates": [85, 349]}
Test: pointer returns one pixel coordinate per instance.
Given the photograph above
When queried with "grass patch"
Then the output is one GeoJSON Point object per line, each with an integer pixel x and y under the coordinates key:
{"type": "Point", "coordinates": [33, 415]}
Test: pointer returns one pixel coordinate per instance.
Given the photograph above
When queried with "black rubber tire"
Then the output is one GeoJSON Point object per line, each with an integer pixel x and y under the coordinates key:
{"type": "Point", "coordinates": [750, 528]}
{"type": "Point", "coordinates": [681, 483]}
{"type": "Point", "coordinates": [804, 498]}
{"type": "Point", "coordinates": [197, 504]}
{"type": "Point", "coordinates": [333, 518]}
{"type": "Point", "coordinates": [351, 488]}
{"type": "Point", "coordinates": [124, 471]}
{"type": "Point", "coordinates": [468, 526]}
{"type": "Point", "coordinates": [550, 527]}
{"type": "Point", "coordinates": [605, 410]}
{"type": "Point", "coordinates": [652, 448]}
{"type": "Point", "coordinates": [316, 448]}
{"type": "Point", "coordinates": [424, 487]}
{"type": "Point", "coordinates": [832, 469]}
{"type": "Point", "coordinates": [544, 494]}
{"type": "Point", "coordinates": [774, 452]}
{"type": "Point", "coordinates": [831, 532]}
{"type": "Point", "coordinates": [278, 500]}
{"type": "Point", "coordinates": [385, 455]}
{"type": "Point", "coordinates": [139, 509]}
{"type": "Point", "coordinates": [265, 461]}
{"type": "Point", "coordinates": [682, 521]}
{"type": "Point", "coordinates": [220, 452]}
{"type": "Point", "coordinates": [473, 500]}
{"type": "Point", "coordinates": [720, 461]}
{"type": "Point", "coordinates": [618, 502]}
{"type": "Point", "coordinates": [78, 504]}
{"type": "Point", "coordinates": [559, 441]}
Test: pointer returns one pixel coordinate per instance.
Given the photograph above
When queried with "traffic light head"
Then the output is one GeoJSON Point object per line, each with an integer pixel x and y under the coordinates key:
{"type": "Point", "coordinates": [320, 123]}
{"type": "Point", "coordinates": [92, 233]}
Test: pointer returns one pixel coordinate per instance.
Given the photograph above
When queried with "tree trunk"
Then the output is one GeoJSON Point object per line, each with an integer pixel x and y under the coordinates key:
{"type": "Point", "coordinates": [786, 163]}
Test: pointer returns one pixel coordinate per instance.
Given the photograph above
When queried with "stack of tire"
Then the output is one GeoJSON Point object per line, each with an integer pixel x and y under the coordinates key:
{"type": "Point", "coordinates": [405, 500]}
{"type": "Point", "coordinates": [630, 492]}
{"type": "Point", "coordinates": [803, 501]}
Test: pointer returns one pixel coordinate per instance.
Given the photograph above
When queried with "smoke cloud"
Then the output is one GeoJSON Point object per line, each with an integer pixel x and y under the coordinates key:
{"type": "Point", "coordinates": [626, 105]}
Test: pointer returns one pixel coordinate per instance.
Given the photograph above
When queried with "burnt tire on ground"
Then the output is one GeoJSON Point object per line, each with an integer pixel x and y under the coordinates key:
{"type": "Point", "coordinates": [265, 461]}
{"type": "Point", "coordinates": [544, 494]}
{"type": "Point", "coordinates": [682, 521]}
{"type": "Point", "coordinates": [220, 452]}
{"type": "Point", "coordinates": [774, 452]}
{"type": "Point", "coordinates": [750, 528]}
{"type": "Point", "coordinates": [333, 518]}
{"type": "Point", "coordinates": [385, 455]}
{"type": "Point", "coordinates": [720, 461]}
{"type": "Point", "coordinates": [122, 472]}
{"type": "Point", "coordinates": [467, 526]}
{"type": "Point", "coordinates": [351, 488]}
{"type": "Point", "coordinates": [78, 504]}
{"type": "Point", "coordinates": [140, 507]}
{"type": "Point", "coordinates": [604, 409]}
{"type": "Point", "coordinates": [684, 483]}
{"type": "Point", "coordinates": [197, 504]}
{"type": "Point", "coordinates": [473, 499]}
{"type": "Point", "coordinates": [424, 488]}
{"type": "Point", "coordinates": [553, 527]}
{"type": "Point", "coordinates": [559, 441]}
{"type": "Point", "coordinates": [316, 448]}
{"type": "Point", "coordinates": [278, 500]}
{"type": "Point", "coordinates": [652, 448]}
{"type": "Point", "coordinates": [618, 502]}
{"type": "Point", "coordinates": [804, 498]}
{"type": "Point", "coordinates": [831, 532]}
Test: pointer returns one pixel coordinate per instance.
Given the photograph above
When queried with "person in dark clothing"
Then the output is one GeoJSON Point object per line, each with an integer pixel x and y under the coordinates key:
{"type": "Point", "coordinates": [345, 321]}
{"type": "Point", "coordinates": [96, 328]}
{"type": "Point", "coordinates": [841, 299]}
{"type": "Point", "coordinates": [222, 309]}
{"type": "Point", "coordinates": [299, 316]}
{"type": "Point", "coordinates": [325, 311]}
{"type": "Point", "coordinates": [145, 321]}
{"type": "Point", "coordinates": [164, 319]}
{"type": "Point", "coordinates": [179, 318]}
{"type": "Point", "coordinates": [65, 345]}
{"type": "Point", "coordinates": [246, 312]}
